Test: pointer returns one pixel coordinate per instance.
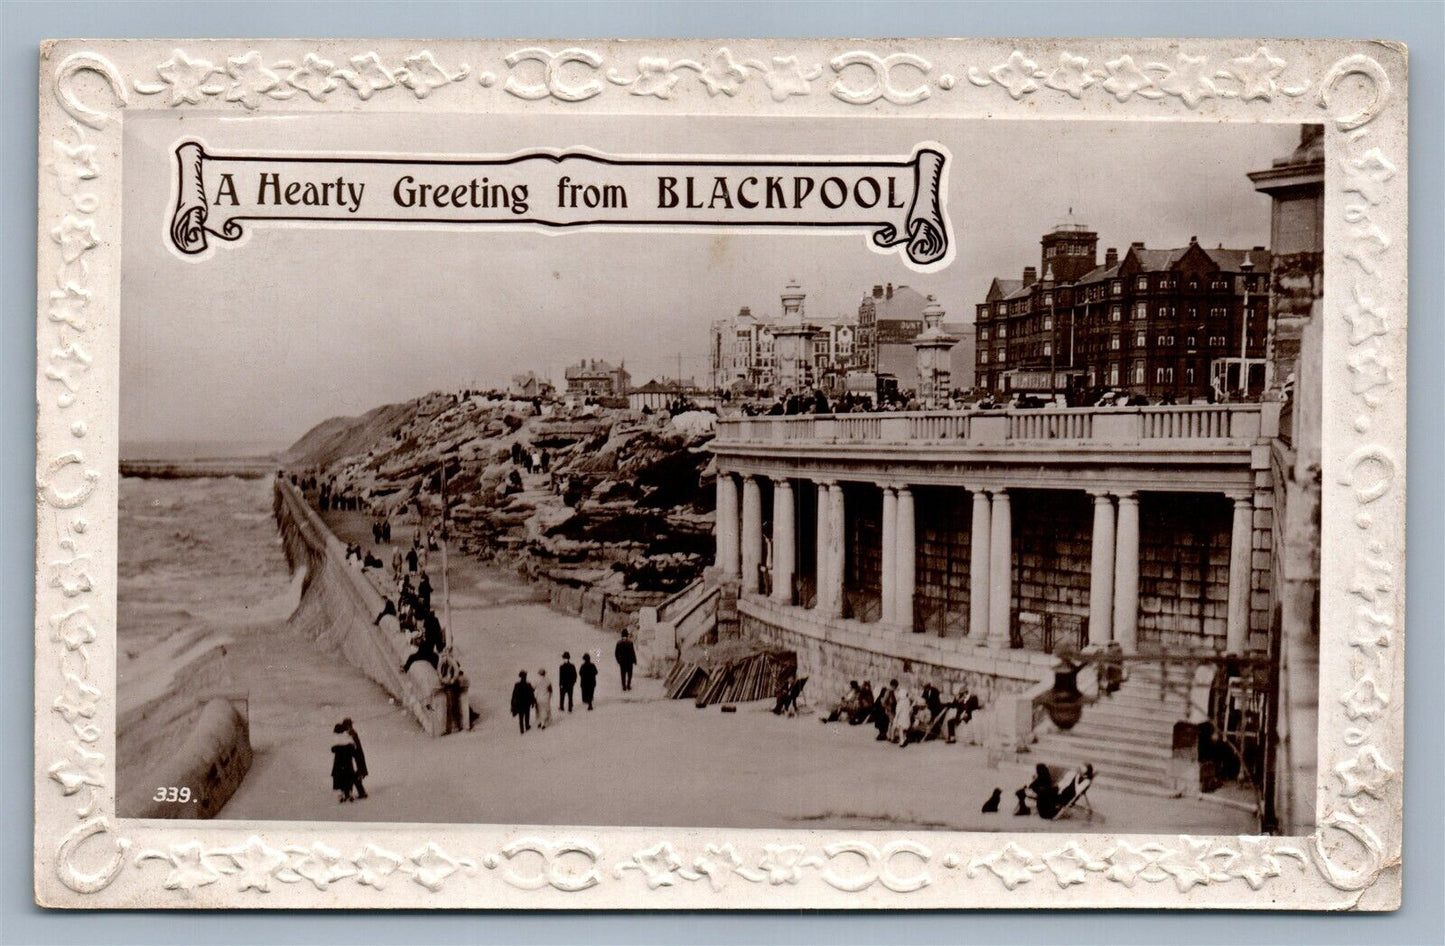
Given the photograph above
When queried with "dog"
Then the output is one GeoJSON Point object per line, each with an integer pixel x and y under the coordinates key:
{"type": "Point", "coordinates": [990, 807]}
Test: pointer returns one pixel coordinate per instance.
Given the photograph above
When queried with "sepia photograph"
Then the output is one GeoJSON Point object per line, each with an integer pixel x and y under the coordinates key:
{"type": "Point", "coordinates": [680, 525]}
{"type": "Point", "coordinates": [721, 474]}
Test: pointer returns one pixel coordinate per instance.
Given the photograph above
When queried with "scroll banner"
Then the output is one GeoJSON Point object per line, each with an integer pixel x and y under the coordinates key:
{"type": "Point", "coordinates": [902, 202]}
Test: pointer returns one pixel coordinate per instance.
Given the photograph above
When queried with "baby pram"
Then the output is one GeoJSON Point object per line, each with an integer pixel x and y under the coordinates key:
{"type": "Point", "coordinates": [1074, 793]}
{"type": "Point", "coordinates": [788, 701]}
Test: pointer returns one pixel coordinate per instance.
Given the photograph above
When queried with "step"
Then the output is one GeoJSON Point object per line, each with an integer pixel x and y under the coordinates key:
{"type": "Point", "coordinates": [1142, 756]}
{"type": "Point", "coordinates": [1155, 718]}
{"type": "Point", "coordinates": [1140, 770]}
{"type": "Point", "coordinates": [1144, 701]}
{"type": "Point", "coordinates": [1118, 735]}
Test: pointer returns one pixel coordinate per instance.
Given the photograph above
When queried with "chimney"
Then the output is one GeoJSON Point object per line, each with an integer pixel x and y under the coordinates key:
{"type": "Point", "coordinates": [1137, 246]}
{"type": "Point", "coordinates": [889, 292]}
{"type": "Point", "coordinates": [1111, 258]}
{"type": "Point", "coordinates": [878, 292]}
{"type": "Point", "coordinates": [1031, 276]}
{"type": "Point", "coordinates": [1258, 249]}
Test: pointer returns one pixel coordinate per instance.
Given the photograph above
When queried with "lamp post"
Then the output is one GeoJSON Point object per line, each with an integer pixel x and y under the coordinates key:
{"type": "Point", "coordinates": [1248, 267]}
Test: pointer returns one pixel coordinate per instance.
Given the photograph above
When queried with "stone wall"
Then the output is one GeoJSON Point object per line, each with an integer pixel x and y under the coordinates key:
{"type": "Point", "coordinates": [338, 608]}
{"type": "Point", "coordinates": [210, 757]}
{"type": "Point", "coordinates": [831, 653]}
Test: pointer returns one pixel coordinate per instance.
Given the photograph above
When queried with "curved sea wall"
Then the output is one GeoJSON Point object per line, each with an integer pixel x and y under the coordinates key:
{"type": "Point", "coordinates": [185, 726]}
{"type": "Point", "coordinates": [338, 609]}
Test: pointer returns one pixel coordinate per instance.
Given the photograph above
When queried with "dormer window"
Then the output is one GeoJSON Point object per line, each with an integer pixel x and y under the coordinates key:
{"type": "Point", "coordinates": [1048, 298]}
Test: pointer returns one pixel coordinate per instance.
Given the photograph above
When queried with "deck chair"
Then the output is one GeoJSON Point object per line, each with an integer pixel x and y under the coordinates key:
{"type": "Point", "coordinates": [1074, 794]}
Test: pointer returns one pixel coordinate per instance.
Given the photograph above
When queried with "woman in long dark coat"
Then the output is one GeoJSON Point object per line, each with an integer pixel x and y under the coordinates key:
{"type": "Point", "coordinates": [343, 767]}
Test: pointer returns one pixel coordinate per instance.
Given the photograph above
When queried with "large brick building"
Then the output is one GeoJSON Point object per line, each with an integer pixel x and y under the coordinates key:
{"type": "Point", "coordinates": [1176, 322]}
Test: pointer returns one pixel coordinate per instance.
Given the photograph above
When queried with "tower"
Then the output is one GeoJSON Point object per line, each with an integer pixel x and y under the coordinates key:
{"type": "Point", "coordinates": [1070, 248]}
{"type": "Point", "coordinates": [932, 347]}
{"type": "Point", "coordinates": [793, 343]}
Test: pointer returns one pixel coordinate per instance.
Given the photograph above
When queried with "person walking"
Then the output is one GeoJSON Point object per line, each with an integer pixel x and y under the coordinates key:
{"type": "Point", "coordinates": [523, 698]}
{"type": "Point", "coordinates": [626, 659]}
{"type": "Point", "coordinates": [343, 767]}
{"type": "Point", "coordinates": [543, 699]}
{"type": "Point", "coordinates": [566, 680]}
{"type": "Point", "coordinates": [588, 674]}
{"type": "Point", "coordinates": [884, 709]}
{"type": "Point", "coordinates": [358, 756]}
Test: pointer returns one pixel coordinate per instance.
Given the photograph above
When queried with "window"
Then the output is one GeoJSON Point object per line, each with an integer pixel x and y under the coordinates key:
{"type": "Point", "coordinates": [1138, 373]}
{"type": "Point", "coordinates": [1142, 283]}
{"type": "Point", "coordinates": [1001, 355]}
{"type": "Point", "coordinates": [1219, 284]}
{"type": "Point", "coordinates": [1003, 331]}
{"type": "Point", "coordinates": [1188, 375]}
{"type": "Point", "coordinates": [1002, 309]}
{"type": "Point", "coordinates": [1141, 310]}
{"type": "Point", "coordinates": [1218, 312]}
{"type": "Point", "coordinates": [1190, 342]}
{"type": "Point", "coordinates": [1114, 344]}
{"type": "Point", "coordinates": [1050, 252]}
{"type": "Point", "coordinates": [1163, 375]}
{"type": "Point", "coordinates": [1116, 312]}
{"type": "Point", "coordinates": [1168, 282]}
{"type": "Point", "coordinates": [1164, 341]}
{"type": "Point", "coordinates": [1048, 349]}
{"type": "Point", "coordinates": [1048, 323]}
{"type": "Point", "coordinates": [983, 334]}
{"type": "Point", "coordinates": [983, 356]}
{"type": "Point", "coordinates": [1048, 298]}
{"type": "Point", "coordinates": [1116, 287]}
{"type": "Point", "coordinates": [1167, 312]}
{"type": "Point", "coordinates": [1193, 282]}
{"type": "Point", "coordinates": [1140, 340]}
{"type": "Point", "coordinates": [1113, 375]}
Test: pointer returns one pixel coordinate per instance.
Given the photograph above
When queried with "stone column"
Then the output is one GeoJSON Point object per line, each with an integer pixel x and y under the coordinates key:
{"type": "Point", "coordinates": [752, 552]}
{"type": "Point", "coordinates": [904, 566]}
{"type": "Point", "coordinates": [1101, 572]}
{"type": "Point", "coordinates": [726, 529]}
{"type": "Point", "coordinates": [785, 542]}
{"type": "Point", "coordinates": [823, 552]}
{"type": "Point", "coordinates": [978, 565]}
{"type": "Point", "coordinates": [837, 516]}
{"type": "Point", "coordinates": [1000, 571]}
{"type": "Point", "coordinates": [888, 572]}
{"type": "Point", "coordinates": [1241, 541]}
{"type": "Point", "coordinates": [1126, 573]}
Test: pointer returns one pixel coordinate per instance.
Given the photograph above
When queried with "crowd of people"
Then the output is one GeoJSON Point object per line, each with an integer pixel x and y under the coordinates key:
{"type": "Point", "coordinates": [536, 694]}
{"type": "Point", "coordinates": [901, 716]}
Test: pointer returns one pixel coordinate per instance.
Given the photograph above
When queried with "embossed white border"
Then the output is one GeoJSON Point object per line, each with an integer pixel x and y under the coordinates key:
{"type": "Point", "coordinates": [86, 857]}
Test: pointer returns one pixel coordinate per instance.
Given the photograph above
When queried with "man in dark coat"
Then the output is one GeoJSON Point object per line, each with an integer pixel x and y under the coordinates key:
{"type": "Point", "coordinates": [566, 680]}
{"type": "Point", "coordinates": [523, 696]}
{"type": "Point", "coordinates": [358, 756]}
{"type": "Point", "coordinates": [884, 708]}
{"type": "Point", "coordinates": [626, 659]}
{"type": "Point", "coordinates": [588, 674]}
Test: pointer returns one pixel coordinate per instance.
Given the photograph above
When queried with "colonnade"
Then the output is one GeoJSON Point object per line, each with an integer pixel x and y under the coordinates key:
{"type": "Point", "coordinates": [1114, 557]}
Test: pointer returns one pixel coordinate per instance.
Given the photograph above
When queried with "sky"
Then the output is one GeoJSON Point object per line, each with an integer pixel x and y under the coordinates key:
{"type": "Point", "coordinates": [255, 343]}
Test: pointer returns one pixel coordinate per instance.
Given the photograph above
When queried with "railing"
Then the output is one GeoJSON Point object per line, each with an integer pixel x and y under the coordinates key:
{"type": "Point", "coordinates": [1232, 423]}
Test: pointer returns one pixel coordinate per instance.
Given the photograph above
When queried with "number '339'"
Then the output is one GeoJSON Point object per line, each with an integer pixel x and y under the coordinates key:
{"type": "Point", "coordinates": [172, 793]}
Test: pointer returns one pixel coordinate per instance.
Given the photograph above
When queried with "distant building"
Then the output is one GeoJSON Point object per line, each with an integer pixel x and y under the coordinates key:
{"type": "Point", "coordinates": [889, 319]}
{"type": "Point", "coordinates": [659, 394]}
{"type": "Point", "coordinates": [530, 385]}
{"type": "Point", "coordinates": [591, 377]}
{"type": "Point", "coordinates": [742, 350]}
{"type": "Point", "coordinates": [1176, 322]}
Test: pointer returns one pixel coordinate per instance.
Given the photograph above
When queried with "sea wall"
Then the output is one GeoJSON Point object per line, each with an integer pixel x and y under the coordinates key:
{"type": "Point", "coordinates": [338, 609]}
{"type": "Point", "coordinates": [573, 592]}
{"type": "Point", "coordinates": [183, 725]}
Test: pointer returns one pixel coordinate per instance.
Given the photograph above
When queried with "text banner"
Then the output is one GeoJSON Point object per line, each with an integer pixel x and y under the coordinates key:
{"type": "Point", "coordinates": [900, 202]}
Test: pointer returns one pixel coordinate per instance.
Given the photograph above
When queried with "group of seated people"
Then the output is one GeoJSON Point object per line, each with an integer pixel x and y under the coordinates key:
{"type": "Point", "coordinates": [904, 717]}
{"type": "Point", "coordinates": [417, 620]}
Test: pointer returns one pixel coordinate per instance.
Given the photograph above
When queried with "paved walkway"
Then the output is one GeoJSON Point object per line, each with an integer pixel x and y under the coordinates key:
{"type": "Point", "coordinates": [638, 759]}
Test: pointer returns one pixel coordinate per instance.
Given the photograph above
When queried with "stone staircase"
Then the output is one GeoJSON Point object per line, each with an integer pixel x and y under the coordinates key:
{"type": "Point", "coordinates": [1128, 736]}
{"type": "Point", "coordinates": [727, 611]}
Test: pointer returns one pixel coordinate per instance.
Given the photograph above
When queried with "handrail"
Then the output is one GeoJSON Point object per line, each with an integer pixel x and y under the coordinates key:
{"type": "Point", "coordinates": [1195, 423]}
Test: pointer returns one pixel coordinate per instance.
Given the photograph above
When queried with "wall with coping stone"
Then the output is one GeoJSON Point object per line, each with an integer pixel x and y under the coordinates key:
{"type": "Point", "coordinates": [338, 608]}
